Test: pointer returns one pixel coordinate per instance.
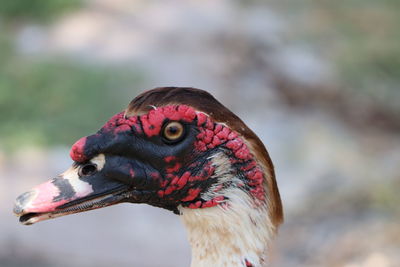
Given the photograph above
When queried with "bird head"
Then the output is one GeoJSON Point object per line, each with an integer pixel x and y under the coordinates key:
{"type": "Point", "coordinates": [171, 148]}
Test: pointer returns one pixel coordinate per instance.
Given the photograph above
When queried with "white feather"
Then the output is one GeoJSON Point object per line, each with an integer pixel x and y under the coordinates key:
{"type": "Point", "coordinates": [227, 234]}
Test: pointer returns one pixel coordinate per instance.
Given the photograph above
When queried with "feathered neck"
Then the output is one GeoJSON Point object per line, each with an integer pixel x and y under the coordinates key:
{"type": "Point", "coordinates": [232, 235]}
{"type": "Point", "coordinates": [235, 233]}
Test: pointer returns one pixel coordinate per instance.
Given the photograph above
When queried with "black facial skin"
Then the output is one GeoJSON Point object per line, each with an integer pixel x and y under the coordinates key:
{"type": "Point", "coordinates": [134, 145]}
{"type": "Point", "coordinates": [136, 165]}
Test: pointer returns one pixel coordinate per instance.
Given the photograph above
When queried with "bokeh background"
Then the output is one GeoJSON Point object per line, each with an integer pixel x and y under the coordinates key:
{"type": "Point", "coordinates": [318, 81]}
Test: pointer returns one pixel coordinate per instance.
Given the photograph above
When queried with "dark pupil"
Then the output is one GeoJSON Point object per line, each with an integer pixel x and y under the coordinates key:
{"type": "Point", "coordinates": [173, 130]}
{"type": "Point", "coordinates": [88, 169]}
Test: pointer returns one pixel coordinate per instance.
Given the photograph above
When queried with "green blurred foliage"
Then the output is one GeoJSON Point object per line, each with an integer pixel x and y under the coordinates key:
{"type": "Point", "coordinates": [47, 102]}
{"type": "Point", "coordinates": [385, 197]}
{"type": "Point", "coordinates": [16, 10]}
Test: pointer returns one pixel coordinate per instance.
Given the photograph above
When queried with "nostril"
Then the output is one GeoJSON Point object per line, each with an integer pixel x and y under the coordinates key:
{"type": "Point", "coordinates": [88, 169]}
{"type": "Point", "coordinates": [22, 201]}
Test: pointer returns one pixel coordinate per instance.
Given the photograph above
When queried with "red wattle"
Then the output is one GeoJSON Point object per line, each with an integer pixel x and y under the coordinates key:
{"type": "Point", "coordinates": [77, 151]}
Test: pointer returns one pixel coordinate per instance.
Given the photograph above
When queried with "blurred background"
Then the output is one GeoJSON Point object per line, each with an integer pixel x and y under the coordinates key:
{"type": "Point", "coordinates": [318, 81]}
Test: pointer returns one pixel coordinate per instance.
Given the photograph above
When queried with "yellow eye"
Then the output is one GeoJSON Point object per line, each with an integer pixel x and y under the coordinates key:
{"type": "Point", "coordinates": [173, 131]}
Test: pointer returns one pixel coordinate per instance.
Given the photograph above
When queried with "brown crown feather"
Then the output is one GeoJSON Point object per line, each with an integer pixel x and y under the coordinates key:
{"type": "Point", "coordinates": [203, 101]}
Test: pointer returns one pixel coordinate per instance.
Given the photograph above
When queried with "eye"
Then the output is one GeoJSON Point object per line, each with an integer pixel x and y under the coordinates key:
{"type": "Point", "coordinates": [173, 131]}
{"type": "Point", "coordinates": [88, 169]}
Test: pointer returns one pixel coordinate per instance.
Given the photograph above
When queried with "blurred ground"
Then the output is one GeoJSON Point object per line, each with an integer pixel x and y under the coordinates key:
{"type": "Point", "coordinates": [318, 83]}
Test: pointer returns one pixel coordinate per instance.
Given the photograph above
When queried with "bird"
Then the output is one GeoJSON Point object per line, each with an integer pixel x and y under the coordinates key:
{"type": "Point", "coordinates": [180, 149]}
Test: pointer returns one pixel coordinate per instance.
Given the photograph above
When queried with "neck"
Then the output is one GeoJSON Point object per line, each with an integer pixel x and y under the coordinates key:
{"type": "Point", "coordinates": [232, 234]}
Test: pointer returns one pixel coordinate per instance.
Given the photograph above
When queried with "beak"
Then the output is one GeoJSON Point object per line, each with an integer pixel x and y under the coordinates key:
{"type": "Point", "coordinates": [67, 194]}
